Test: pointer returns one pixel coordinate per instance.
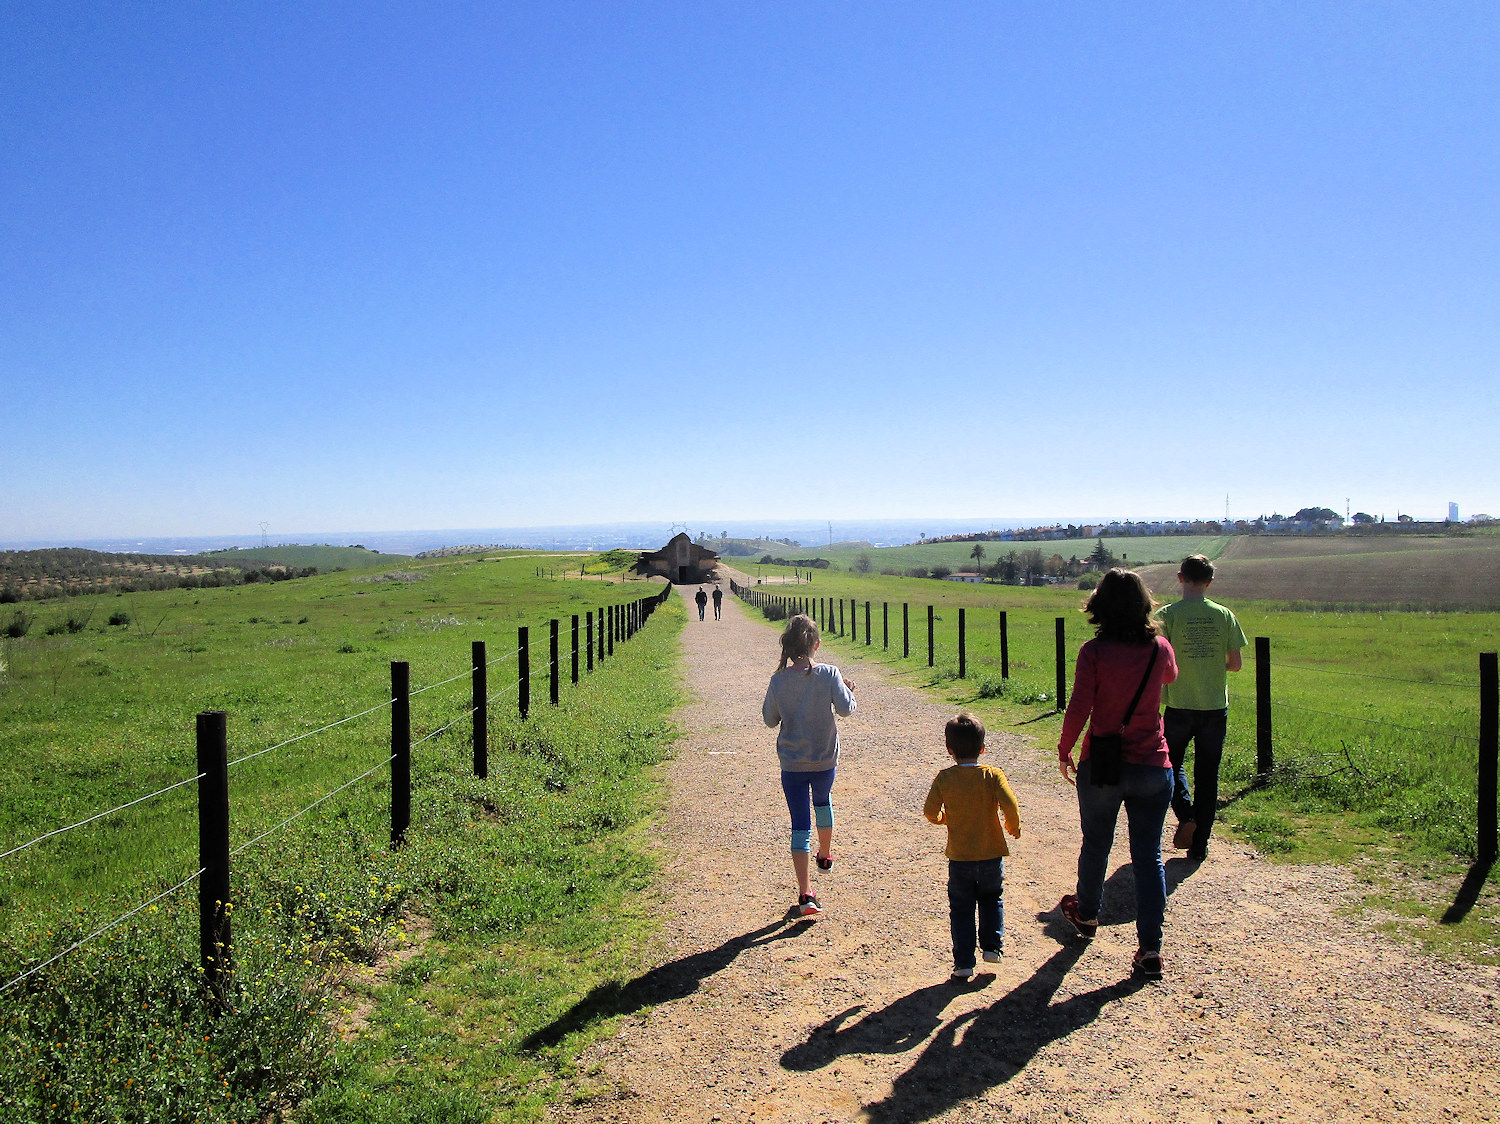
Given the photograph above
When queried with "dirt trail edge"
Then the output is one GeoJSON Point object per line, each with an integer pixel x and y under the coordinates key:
{"type": "Point", "coordinates": [1273, 1007]}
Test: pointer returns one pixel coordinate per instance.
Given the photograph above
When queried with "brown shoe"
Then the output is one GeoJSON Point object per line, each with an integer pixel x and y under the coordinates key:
{"type": "Point", "coordinates": [1182, 838]}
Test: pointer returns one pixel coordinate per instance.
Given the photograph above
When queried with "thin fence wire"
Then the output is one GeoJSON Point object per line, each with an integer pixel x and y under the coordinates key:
{"type": "Point", "coordinates": [310, 807]}
{"type": "Point", "coordinates": [1278, 665]}
{"type": "Point", "coordinates": [442, 683]}
{"type": "Point", "coordinates": [100, 816]}
{"type": "Point", "coordinates": [502, 659]}
{"type": "Point", "coordinates": [75, 946]}
{"type": "Point", "coordinates": [310, 733]}
{"type": "Point", "coordinates": [1378, 722]}
{"type": "Point", "coordinates": [446, 726]}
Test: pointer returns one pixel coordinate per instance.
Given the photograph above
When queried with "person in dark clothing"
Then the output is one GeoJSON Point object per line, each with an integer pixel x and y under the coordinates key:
{"type": "Point", "coordinates": [702, 599]}
{"type": "Point", "coordinates": [718, 603]}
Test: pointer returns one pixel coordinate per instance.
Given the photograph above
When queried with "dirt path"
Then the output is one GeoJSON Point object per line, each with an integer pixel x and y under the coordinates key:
{"type": "Point", "coordinates": [1273, 1007]}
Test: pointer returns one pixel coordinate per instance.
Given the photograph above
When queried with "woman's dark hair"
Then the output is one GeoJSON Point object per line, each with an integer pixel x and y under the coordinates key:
{"type": "Point", "coordinates": [1120, 608]}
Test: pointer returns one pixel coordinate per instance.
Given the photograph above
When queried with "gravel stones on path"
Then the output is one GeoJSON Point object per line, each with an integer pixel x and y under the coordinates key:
{"type": "Point", "coordinates": [1274, 1005]}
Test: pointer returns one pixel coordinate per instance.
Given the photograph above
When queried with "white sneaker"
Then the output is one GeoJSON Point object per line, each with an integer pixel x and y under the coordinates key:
{"type": "Point", "coordinates": [993, 956]}
{"type": "Point", "coordinates": [962, 975]}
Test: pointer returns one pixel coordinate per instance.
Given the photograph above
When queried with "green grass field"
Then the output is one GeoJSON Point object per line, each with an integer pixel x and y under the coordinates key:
{"type": "Point", "coordinates": [537, 862]}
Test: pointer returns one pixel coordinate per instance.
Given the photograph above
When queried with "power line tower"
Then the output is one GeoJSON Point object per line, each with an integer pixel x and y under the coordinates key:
{"type": "Point", "coordinates": [263, 540]}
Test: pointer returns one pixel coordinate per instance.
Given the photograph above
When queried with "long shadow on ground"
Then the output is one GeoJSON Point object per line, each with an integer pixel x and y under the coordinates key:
{"type": "Point", "coordinates": [997, 1044]}
{"type": "Point", "coordinates": [673, 980]}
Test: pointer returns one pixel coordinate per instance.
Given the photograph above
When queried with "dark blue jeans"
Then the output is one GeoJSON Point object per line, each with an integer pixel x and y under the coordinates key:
{"type": "Point", "coordinates": [974, 890]}
{"type": "Point", "coordinates": [1146, 792]}
{"type": "Point", "coordinates": [1206, 729]}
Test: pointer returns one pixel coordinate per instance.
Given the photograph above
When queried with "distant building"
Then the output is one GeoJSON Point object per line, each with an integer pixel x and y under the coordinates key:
{"type": "Point", "coordinates": [1453, 513]}
{"type": "Point", "coordinates": [681, 561]}
{"type": "Point", "coordinates": [964, 576]}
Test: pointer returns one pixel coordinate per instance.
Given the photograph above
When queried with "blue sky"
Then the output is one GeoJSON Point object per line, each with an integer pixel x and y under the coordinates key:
{"type": "Point", "coordinates": [381, 266]}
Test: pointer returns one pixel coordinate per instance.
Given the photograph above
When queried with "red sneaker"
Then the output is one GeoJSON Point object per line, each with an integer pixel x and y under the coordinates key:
{"type": "Point", "coordinates": [1069, 908]}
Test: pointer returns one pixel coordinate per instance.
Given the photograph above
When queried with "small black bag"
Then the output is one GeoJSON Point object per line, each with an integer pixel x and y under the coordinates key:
{"type": "Point", "coordinates": [1107, 751]}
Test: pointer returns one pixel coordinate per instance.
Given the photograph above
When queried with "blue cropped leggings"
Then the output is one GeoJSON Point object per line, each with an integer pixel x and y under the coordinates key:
{"type": "Point", "coordinates": [809, 800]}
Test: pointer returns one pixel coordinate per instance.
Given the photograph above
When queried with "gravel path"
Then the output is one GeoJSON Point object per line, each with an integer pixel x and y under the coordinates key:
{"type": "Point", "coordinates": [1273, 1006]}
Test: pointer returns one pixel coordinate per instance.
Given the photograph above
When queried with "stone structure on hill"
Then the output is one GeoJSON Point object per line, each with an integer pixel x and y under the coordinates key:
{"type": "Point", "coordinates": [681, 561]}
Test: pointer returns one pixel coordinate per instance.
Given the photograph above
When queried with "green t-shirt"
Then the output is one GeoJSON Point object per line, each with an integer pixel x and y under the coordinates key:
{"type": "Point", "coordinates": [1202, 633]}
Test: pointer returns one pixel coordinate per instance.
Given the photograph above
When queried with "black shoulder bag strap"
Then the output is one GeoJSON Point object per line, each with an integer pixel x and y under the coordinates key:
{"type": "Point", "coordinates": [1151, 663]}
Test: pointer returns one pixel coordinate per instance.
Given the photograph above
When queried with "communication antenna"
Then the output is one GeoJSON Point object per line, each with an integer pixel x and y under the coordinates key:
{"type": "Point", "coordinates": [830, 532]}
{"type": "Point", "coordinates": [1226, 507]}
{"type": "Point", "coordinates": [263, 526]}
{"type": "Point", "coordinates": [1346, 510]}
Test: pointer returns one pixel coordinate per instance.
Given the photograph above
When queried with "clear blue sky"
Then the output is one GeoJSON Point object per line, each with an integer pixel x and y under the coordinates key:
{"type": "Point", "coordinates": [378, 266]}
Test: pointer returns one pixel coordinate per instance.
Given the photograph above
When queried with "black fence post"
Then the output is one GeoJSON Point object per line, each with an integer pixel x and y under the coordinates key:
{"type": "Point", "coordinates": [1004, 648]}
{"type": "Point", "coordinates": [400, 751]}
{"type": "Point", "coordinates": [885, 626]}
{"type": "Point", "coordinates": [1061, 631]}
{"type": "Point", "coordinates": [601, 634]}
{"type": "Point", "coordinates": [589, 639]}
{"type": "Point", "coordinates": [931, 647]}
{"type": "Point", "coordinates": [575, 648]}
{"type": "Point", "coordinates": [523, 671]}
{"type": "Point", "coordinates": [215, 945]}
{"type": "Point", "coordinates": [905, 630]}
{"type": "Point", "coordinates": [963, 663]}
{"type": "Point", "coordinates": [481, 702]}
{"type": "Point", "coordinates": [841, 616]}
{"type": "Point", "coordinates": [1265, 757]}
{"type": "Point", "coordinates": [552, 662]}
{"type": "Point", "coordinates": [612, 626]}
{"type": "Point", "coordinates": [867, 624]}
{"type": "Point", "coordinates": [1489, 723]}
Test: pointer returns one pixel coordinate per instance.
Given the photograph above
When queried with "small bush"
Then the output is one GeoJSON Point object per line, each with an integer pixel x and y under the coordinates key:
{"type": "Point", "coordinates": [1012, 690]}
{"type": "Point", "coordinates": [917, 572]}
{"type": "Point", "coordinates": [119, 617]}
{"type": "Point", "coordinates": [1088, 581]}
{"type": "Point", "coordinates": [9, 596]}
{"type": "Point", "coordinates": [18, 625]}
{"type": "Point", "coordinates": [77, 622]}
{"type": "Point", "coordinates": [890, 572]}
{"type": "Point", "coordinates": [941, 573]}
{"type": "Point", "coordinates": [774, 612]}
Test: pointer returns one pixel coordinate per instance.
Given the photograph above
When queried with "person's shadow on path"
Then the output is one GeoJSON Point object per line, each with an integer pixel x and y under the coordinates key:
{"type": "Point", "coordinates": [998, 1042]}
{"type": "Point", "coordinates": [1117, 907]}
{"type": "Point", "coordinates": [894, 1029]}
{"type": "Point", "coordinates": [673, 980]}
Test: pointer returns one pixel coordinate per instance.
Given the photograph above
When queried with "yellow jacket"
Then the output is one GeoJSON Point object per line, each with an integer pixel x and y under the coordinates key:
{"type": "Point", "coordinates": [971, 799]}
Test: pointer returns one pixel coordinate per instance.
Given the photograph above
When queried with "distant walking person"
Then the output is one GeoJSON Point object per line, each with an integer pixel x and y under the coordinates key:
{"type": "Point", "coordinates": [718, 603]}
{"type": "Point", "coordinates": [702, 599]}
{"type": "Point", "coordinates": [802, 699]}
{"type": "Point", "coordinates": [1207, 640]}
{"type": "Point", "coordinates": [1117, 690]}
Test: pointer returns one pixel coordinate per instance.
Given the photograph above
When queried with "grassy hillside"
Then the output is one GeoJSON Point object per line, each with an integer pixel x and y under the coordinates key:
{"type": "Point", "coordinates": [323, 557]}
{"type": "Point", "coordinates": [536, 863]}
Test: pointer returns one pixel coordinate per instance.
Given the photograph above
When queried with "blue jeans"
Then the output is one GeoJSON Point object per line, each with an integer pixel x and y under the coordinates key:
{"type": "Point", "coordinates": [1206, 729]}
{"type": "Point", "coordinates": [1146, 792]}
{"type": "Point", "coordinates": [975, 888]}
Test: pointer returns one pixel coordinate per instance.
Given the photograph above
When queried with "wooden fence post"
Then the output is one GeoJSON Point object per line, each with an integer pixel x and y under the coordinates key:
{"type": "Point", "coordinates": [215, 945]}
{"type": "Point", "coordinates": [1062, 661]}
{"type": "Point", "coordinates": [885, 626]}
{"type": "Point", "coordinates": [552, 662]}
{"type": "Point", "coordinates": [1004, 648]}
{"type": "Point", "coordinates": [867, 624]}
{"type": "Point", "coordinates": [841, 616]}
{"type": "Point", "coordinates": [905, 630]}
{"type": "Point", "coordinates": [963, 663]}
{"type": "Point", "coordinates": [1265, 758]}
{"type": "Point", "coordinates": [931, 648]}
{"type": "Point", "coordinates": [400, 751]}
{"type": "Point", "coordinates": [575, 648]}
{"type": "Point", "coordinates": [523, 671]}
{"type": "Point", "coordinates": [1489, 724]}
{"type": "Point", "coordinates": [481, 701]}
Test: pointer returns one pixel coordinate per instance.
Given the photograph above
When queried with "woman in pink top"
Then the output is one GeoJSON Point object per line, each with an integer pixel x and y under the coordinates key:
{"type": "Point", "coordinates": [1117, 691]}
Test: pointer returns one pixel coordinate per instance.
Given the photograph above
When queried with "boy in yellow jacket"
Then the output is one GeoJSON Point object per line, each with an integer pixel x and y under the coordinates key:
{"type": "Point", "coordinates": [970, 799]}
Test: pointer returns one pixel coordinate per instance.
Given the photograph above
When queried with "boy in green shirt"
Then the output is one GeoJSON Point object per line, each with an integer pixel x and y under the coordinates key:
{"type": "Point", "coordinates": [970, 799]}
{"type": "Point", "coordinates": [1207, 640]}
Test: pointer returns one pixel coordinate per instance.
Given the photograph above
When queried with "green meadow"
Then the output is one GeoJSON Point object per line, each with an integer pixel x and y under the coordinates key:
{"type": "Point", "coordinates": [537, 866]}
{"type": "Point", "coordinates": [1374, 714]}
{"type": "Point", "coordinates": [959, 555]}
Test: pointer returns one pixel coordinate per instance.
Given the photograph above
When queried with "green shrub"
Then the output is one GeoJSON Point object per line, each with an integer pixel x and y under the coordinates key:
{"type": "Point", "coordinates": [18, 625]}
{"type": "Point", "coordinates": [119, 617]}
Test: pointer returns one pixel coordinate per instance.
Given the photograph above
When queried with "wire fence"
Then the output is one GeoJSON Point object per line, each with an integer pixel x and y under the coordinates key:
{"type": "Point", "coordinates": [615, 623]}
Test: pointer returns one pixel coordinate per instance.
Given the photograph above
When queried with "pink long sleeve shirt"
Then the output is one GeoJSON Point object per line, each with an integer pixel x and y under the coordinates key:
{"type": "Point", "coordinates": [1104, 682]}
